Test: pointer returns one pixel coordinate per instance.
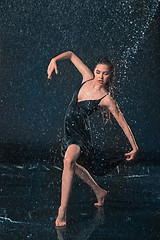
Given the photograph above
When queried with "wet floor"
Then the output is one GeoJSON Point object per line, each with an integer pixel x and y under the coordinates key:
{"type": "Point", "coordinates": [30, 196]}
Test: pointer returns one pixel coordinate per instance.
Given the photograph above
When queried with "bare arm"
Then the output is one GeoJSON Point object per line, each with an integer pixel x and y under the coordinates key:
{"type": "Point", "coordinates": [114, 109]}
{"type": "Point", "coordinates": [82, 68]}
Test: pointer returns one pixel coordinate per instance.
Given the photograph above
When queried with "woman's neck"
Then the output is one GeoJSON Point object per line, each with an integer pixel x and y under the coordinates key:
{"type": "Point", "coordinates": [97, 86]}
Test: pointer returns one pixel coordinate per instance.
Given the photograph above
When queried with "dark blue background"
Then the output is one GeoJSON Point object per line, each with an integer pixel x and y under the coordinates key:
{"type": "Point", "coordinates": [33, 107]}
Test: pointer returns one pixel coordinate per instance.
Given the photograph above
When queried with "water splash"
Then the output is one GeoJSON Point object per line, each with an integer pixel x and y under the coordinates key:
{"type": "Point", "coordinates": [137, 38]}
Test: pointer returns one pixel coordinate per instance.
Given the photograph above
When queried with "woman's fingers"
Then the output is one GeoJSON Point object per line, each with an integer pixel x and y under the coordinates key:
{"type": "Point", "coordinates": [49, 71]}
{"type": "Point", "coordinates": [56, 71]}
{"type": "Point", "coordinates": [49, 76]}
{"type": "Point", "coordinates": [126, 154]}
{"type": "Point", "coordinates": [129, 158]}
{"type": "Point", "coordinates": [130, 155]}
{"type": "Point", "coordinates": [52, 66]}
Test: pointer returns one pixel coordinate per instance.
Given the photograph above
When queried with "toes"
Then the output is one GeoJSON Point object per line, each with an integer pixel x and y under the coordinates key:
{"type": "Point", "coordinates": [60, 224]}
{"type": "Point", "coordinates": [98, 204]}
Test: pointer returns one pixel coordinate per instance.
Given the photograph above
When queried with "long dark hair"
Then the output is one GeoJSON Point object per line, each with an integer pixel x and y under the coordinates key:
{"type": "Point", "coordinates": [109, 87]}
{"type": "Point", "coordinates": [110, 83]}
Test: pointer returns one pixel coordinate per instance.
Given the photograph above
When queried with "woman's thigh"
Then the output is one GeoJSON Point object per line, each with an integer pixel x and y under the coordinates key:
{"type": "Point", "coordinates": [72, 152]}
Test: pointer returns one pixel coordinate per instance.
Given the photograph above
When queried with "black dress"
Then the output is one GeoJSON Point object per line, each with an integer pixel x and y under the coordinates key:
{"type": "Point", "coordinates": [77, 128]}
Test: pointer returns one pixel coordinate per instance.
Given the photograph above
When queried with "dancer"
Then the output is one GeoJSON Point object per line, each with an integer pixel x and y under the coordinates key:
{"type": "Point", "coordinates": [95, 91]}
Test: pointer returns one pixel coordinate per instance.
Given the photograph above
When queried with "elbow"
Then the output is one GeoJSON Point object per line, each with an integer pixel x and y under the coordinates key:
{"type": "Point", "coordinates": [70, 54]}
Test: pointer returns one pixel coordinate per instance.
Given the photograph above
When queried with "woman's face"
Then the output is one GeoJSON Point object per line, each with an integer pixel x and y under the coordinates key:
{"type": "Point", "coordinates": [101, 73]}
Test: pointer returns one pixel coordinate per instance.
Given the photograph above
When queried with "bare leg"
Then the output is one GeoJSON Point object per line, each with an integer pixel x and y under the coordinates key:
{"type": "Point", "coordinates": [86, 177]}
{"type": "Point", "coordinates": [70, 158]}
{"type": "Point", "coordinates": [71, 167]}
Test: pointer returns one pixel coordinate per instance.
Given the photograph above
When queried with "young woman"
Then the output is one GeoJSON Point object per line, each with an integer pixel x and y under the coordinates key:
{"type": "Point", "coordinates": [95, 91]}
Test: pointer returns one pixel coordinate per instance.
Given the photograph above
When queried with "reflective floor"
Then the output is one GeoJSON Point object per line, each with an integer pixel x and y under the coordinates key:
{"type": "Point", "coordinates": [30, 196]}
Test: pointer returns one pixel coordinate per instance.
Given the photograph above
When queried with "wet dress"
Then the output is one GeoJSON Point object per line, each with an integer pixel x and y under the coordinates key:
{"type": "Point", "coordinates": [77, 128]}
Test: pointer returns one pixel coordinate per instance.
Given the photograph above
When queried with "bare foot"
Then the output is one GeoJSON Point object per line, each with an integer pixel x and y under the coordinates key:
{"type": "Point", "coordinates": [101, 195]}
{"type": "Point", "coordinates": [61, 219]}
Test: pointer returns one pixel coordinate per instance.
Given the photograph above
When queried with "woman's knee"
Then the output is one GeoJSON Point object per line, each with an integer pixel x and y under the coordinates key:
{"type": "Point", "coordinates": [71, 156]}
{"type": "Point", "coordinates": [69, 163]}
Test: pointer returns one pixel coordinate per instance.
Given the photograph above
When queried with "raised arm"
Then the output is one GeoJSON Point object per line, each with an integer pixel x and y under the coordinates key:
{"type": "Point", "coordinates": [114, 109]}
{"type": "Point", "coordinates": [82, 68]}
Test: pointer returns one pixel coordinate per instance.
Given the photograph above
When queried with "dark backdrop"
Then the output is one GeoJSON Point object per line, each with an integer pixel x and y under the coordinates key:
{"type": "Point", "coordinates": [32, 32]}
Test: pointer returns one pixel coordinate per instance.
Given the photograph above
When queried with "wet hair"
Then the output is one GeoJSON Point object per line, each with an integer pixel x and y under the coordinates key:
{"type": "Point", "coordinates": [110, 83]}
{"type": "Point", "coordinates": [109, 87]}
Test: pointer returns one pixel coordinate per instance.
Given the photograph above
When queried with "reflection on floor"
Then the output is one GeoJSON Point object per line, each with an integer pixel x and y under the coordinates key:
{"type": "Point", "coordinates": [30, 196]}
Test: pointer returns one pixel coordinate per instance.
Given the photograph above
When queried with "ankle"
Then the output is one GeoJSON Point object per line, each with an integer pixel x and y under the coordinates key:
{"type": "Point", "coordinates": [63, 209]}
{"type": "Point", "coordinates": [97, 190]}
{"type": "Point", "coordinates": [100, 191]}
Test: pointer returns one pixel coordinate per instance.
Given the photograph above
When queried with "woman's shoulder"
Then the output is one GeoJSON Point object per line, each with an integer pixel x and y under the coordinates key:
{"type": "Point", "coordinates": [109, 97]}
{"type": "Point", "coordinates": [108, 100]}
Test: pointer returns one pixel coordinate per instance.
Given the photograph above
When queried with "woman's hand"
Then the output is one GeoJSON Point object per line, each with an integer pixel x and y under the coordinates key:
{"type": "Point", "coordinates": [131, 155]}
{"type": "Point", "coordinates": [52, 66]}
